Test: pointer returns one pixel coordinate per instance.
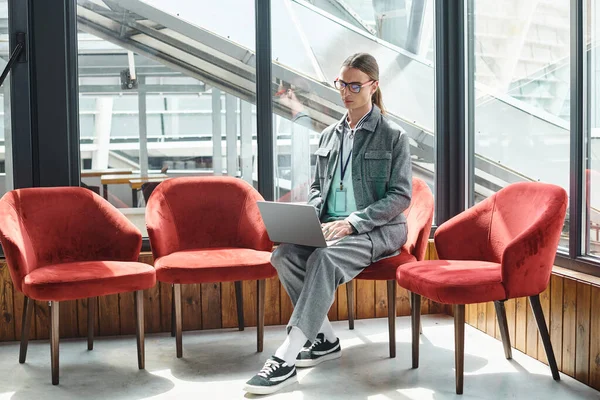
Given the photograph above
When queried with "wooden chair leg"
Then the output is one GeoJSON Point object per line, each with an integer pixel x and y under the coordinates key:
{"type": "Point", "coordinates": [177, 301]}
{"type": "Point", "coordinates": [538, 313]}
{"type": "Point", "coordinates": [391, 295]}
{"type": "Point", "coordinates": [54, 339]}
{"type": "Point", "coordinates": [350, 302]}
{"type": "Point", "coordinates": [239, 300]}
{"type": "Point", "coordinates": [25, 327]}
{"type": "Point", "coordinates": [410, 305]}
{"type": "Point", "coordinates": [503, 326]}
{"type": "Point", "coordinates": [415, 320]}
{"type": "Point", "coordinates": [459, 345]}
{"type": "Point", "coordinates": [173, 311]}
{"type": "Point", "coordinates": [261, 286]}
{"type": "Point", "coordinates": [138, 301]}
{"type": "Point", "coordinates": [91, 317]}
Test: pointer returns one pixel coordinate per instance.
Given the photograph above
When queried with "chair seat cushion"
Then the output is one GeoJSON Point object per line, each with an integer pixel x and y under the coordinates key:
{"type": "Point", "coordinates": [77, 280]}
{"type": "Point", "coordinates": [453, 282]}
{"type": "Point", "coordinates": [385, 269]}
{"type": "Point", "coordinates": [220, 264]}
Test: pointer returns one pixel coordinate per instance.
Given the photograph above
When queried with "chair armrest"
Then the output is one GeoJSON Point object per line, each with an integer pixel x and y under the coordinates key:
{"type": "Point", "coordinates": [528, 259]}
{"type": "Point", "coordinates": [252, 233]}
{"type": "Point", "coordinates": [18, 249]}
{"type": "Point", "coordinates": [466, 236]}
{"type": "Point", "coordinates": [160, 222]}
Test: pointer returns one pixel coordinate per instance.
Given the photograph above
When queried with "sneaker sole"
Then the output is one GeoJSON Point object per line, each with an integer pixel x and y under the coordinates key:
{"type": "Point", "coordinates": [270, 389]}
{"type": "Point", "coordinates": [317, 361]}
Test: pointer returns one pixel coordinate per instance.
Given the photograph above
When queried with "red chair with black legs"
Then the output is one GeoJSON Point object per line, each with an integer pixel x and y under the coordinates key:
{"type": "Point", "coordinates": [209, 229]}
{"type": "Point", "coordinates": [418, 221]}
{"type": "Point", "coordinates": [68, 243]}
{"type": "Point", "coordinates": [502, 248]}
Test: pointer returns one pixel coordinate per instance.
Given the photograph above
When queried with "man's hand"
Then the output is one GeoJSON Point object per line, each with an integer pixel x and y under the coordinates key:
{"type": "Point", "coordinates": [336, 229]}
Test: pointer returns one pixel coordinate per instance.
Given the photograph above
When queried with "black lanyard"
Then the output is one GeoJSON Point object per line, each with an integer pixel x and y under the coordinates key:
{"type": "Point", "coordinates": [343, 166]}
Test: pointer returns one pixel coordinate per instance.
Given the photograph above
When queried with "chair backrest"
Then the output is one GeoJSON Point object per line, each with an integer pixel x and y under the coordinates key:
{"type": "Point", "coordinates": [419, 217]}
{"type": "Point", "coordinates": [205, 212]}
{"type": "Point", "coordinates": [519, 227]}
{"type": "Point", "coordinates": [45, 226]}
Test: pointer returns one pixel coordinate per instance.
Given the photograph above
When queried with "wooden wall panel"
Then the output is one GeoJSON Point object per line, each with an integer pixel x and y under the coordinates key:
{"type": "Point", "coordinates": [381, 303]}
{"type": "Point", "coordinates": [211, 305]}
{"type": "Point", "coordinates": [7, 311]}
{"type": "Point", "coordinates": [166, 297]}
{"type": "Point", "coordinates": [545, 302]}
{"type": "Point", "coordinates": [18, 300]}
{"type": "Point", "coordinates": [365, 298]}
{"type": "Point", "coordinates": [569, 326]}
{"type": "Point", "coordinates": [582, 338]}
{"type": "Point", "coordinates": [41, 314]}
{"type": "Point", "coordinates": [342, 302]}
{"type": "Point", "coordinates": [594, 353]}
{"type": "Point", "coordinates": [521, 324]}
{"type": "Point", "coordinates": [108, 308]}
{"type": "Point", "coordinates": [249, 289]}
{"type": "Point", "coordinates": [272, 302]}
{"type": "Point", "coordinates": [556, 317]}
{"type": "Point", "coordinates": [127, 313]}
{"type": "Point", "coordinates": [490, 319]}
{"type": "Point", "coordinates": [402, 302]}
{"type": "Point", "coordinates": [191, 307]}
{"type": "Point", "coordinates": [532, 333]}
{"type": "Point", "coordinates": [68, 319]}
{"type": "Point", "coordinates": [228, 305]}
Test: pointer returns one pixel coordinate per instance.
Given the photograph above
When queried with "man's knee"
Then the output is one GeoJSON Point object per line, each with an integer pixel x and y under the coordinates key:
{"type": "Point", "coordinates": [280, 258]}
{"type": "Point", "coordinates": [321, 260]}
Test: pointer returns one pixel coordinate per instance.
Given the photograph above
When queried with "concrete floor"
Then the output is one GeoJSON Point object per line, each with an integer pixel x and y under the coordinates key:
{"type": "Point", "coordinates": [217, 363]}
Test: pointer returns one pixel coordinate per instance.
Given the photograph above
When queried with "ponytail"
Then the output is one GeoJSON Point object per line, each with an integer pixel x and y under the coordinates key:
{"type": "Point", "coordinates": [377, 99]}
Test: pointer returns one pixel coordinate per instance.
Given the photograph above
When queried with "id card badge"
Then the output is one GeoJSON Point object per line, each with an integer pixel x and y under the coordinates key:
{"type": "Point", "coordinates": [340, 200]}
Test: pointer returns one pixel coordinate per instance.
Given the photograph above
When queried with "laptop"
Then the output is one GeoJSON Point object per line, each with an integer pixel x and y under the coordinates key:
{"type": "Point", "coordinates": [293, 223]}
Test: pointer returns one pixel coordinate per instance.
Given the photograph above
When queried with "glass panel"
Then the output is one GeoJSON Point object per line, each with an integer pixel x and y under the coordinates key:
{"type": "Point", "coordinates": [6, 170]}
{"type": "Point", "coordinates": [521, 88]}
{"type": "Point", "coordinates": [165, 88]}
{"type": "Point", "coordinates": [592, 172]}
{"type": "Point", "coordinates": [307, 60]}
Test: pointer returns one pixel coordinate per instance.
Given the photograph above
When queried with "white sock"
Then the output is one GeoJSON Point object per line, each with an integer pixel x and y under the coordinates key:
{"type": "Point", "coordinates": [291, 346]}
{"type": "Point", "coordinates": [327, 330]}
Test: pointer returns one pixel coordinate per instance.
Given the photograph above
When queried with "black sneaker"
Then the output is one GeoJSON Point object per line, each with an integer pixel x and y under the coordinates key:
{"type": "Point", "coordinates": [321, 350]}
{"type": "Point", "coordinates": [275, 375]}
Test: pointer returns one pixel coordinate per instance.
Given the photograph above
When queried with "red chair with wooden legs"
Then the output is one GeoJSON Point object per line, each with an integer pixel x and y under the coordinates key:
{"type": "Point", "coordinates": [502, 248]}
{"type": "Point", "coordinates": [68, 243]}
{"type": "Point", "coordinates": [419, 217]}
{"type": "Point", "coordinates": [209, 229]}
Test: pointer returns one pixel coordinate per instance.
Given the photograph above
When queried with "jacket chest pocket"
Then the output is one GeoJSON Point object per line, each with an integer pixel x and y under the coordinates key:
{"type": "Point", "coordinates": [322, 161]}
{"type": "Point", "coordinates": [378, 165]}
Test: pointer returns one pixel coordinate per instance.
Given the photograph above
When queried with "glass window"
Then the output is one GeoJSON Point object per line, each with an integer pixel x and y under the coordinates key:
{"type": "Point", "coordinates": [306, 61]}
{"type": "Point", "coordinates": [521, 94]}
{"type": "Point", "coordinates": [150, 105]}
{"type": "Point", "coordinates": [592, 170]}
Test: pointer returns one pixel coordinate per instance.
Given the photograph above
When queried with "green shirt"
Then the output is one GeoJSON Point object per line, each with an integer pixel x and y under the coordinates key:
{"type": "Point", "coordinates": [331, 215]}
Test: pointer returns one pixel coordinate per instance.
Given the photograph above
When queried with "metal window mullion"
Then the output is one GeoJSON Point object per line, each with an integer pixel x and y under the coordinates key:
{"type": "Point", "coordinates": [451, 144]}
{"type": "Point", "coordinates": [264, 107]}
{"type": "Point", "coordinates": [577, 208]}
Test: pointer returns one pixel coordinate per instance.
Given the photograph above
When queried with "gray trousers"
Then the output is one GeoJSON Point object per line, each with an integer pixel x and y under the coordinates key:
{"type": "Point", "coordinates": [311, 276]}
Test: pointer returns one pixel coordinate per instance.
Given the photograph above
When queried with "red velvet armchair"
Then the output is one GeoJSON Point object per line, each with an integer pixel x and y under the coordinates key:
{"type": "Point", "coordinates": [418, 221]}
{"type": "Point", "coordinates": [209, 229]}
{"type": "Point", "coordinates": [502, 248]}
{"type": "Point", "coordinates": [68, 243]}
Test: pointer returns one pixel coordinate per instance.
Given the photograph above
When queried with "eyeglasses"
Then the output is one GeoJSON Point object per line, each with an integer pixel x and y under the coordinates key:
{"type": "Point", "coordinates": [353, 86]}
